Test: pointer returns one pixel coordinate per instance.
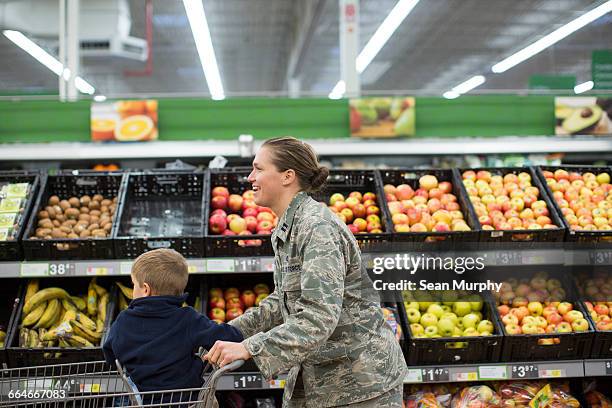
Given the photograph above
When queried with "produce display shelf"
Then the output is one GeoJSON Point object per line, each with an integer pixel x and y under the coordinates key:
{"type": "Point", "coordinates": [229, 382]}
{"type": "Point", "coordinates": [598, 368]}
{"type": "Point", "coordinates": [117, 267]}
{"type": "Point", "coordinates": [329, 147]}
{"type": "Point", "coordinates": [257, 264]}
{"type": "Point", "coordinates": [496, 371]}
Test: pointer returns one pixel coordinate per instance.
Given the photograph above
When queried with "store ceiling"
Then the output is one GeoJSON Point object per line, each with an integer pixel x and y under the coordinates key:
{"type": "Point", "coordinates": [439, 45]}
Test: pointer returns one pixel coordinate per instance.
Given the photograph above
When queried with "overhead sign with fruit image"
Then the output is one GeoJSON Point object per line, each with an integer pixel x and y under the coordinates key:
{"type": "Point", "coordinates": [583, 116]}
{"type": "Point", "coordinates": [382, 117]}
{"type": "Point", "coordinates": [124, 121]}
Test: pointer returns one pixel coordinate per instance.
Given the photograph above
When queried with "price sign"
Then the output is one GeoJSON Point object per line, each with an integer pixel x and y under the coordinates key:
{"type": "Point", "coordinates": [277, 383]}
{"type": "Point", "coordinates": [525, 371]}
{"type": "Point", "coordinates": [492, 373]}
{"type": "Point", "coordinates": [600, 257]}
{"type": "Point", "coordinates": [220, 265]}
{"type": "Point", "coordinates": [247, 265]}
{"type": "Point", "coordinates": [98, 271]}
{"type": "Point", "coordinates": [508, 258]}
{"type": "Point", "coordinates": [61, 269]}
{"type": "Point", "coordinates": [246, 381]}
{"type": "Point", "coordinates": [435, 374]}
{"type": "Point", "coordinates": [31, 270]}
{"type": "Point", "coordinates": [609, 367]}
{"type": "Point", "coordinates": [552, 373]}
{"type": "Point", "coordinates": [468, 376]}
{"type": "Point", "coordinates": [413, 376]}
{"type": "Point", "coordinates": [125, 268]}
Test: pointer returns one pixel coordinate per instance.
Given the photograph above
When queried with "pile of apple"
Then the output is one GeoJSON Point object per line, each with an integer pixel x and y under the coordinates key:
{"type": "Point", "coordinates": [508, 202]}
{"type": "Point", "coordinates": [584, 198]}
{"type": "Point", "coordinates": [599, 290]}
{"type": "Point", "coordinates": [601, 313]}
{"type": "Point", "coordinates": [459, 316]}
{"type": "Point", "coordinates": [432, 207]}
{"type": "Point", "coordinates": [228, 304]}
{"type": "Point", "coordinates": [359, 211]}
{"type": "Point", "coordinates": [235, 214]}
{"type": "Point", "coordinates": [534, 307]}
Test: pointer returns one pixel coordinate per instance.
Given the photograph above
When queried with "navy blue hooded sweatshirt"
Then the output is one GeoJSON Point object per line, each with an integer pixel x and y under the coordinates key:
{"type": "Point", "coordinates": [155, 339]}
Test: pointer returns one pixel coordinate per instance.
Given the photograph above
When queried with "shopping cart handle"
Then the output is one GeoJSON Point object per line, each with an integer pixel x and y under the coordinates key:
{"type": "Point", "coordinates": [231, 366]}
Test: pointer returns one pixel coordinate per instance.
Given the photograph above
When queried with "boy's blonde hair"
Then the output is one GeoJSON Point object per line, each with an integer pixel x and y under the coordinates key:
{"type": "Point", "coordinates": [164, 270]}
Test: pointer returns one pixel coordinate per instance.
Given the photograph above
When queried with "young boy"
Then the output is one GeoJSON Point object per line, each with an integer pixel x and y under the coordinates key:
{"type": "Point", "coordinates": [155, 339]}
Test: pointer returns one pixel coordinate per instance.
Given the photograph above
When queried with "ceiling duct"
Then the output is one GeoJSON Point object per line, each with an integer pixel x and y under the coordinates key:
{"type": "Point", "coordinates": [104, 26]}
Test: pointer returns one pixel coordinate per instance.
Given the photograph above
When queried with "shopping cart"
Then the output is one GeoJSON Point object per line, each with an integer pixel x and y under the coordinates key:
{"type": "Point", "coordinates": [96, 385]}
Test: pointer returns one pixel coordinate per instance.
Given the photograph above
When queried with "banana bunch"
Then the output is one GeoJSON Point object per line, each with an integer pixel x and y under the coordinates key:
{"type": "Point", "coordinates": [125, 296]}
{"type": "Point", "coordinates": [2, 337]}
{"type": "Point", "coordinates": [53, 318]}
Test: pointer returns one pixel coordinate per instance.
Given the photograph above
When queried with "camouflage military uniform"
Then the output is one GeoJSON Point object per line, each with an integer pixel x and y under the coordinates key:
{"type": "Point", "coordinates": [323, 321]}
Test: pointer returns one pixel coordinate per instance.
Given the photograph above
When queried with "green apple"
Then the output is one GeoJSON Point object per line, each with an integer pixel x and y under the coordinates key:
{"type": "Point", "coordinates": [447, 308]}
{"type": "Point", "coordinates": [431, 331]}
{"type": "Point", "coordinates": [423, 306]}
{"type": "Point", "coordinates": [460, 324]}
{"type": "Point", "coordinates": [479, 314]}
{"type": "Point", "coordinates": [420, 336]}
{"type": "Point", "coordinates": [435, 309]}
{"type": "Point", "coordinates": [462, 308]}
{"type": "Point", "coordinates": [416, 328]}
{"type": "Point", "coordinates": [449, 297]}
{"type": "Point", "coordinates": [485, 326]}
{"type": "Point", "coordinates": [446, 327]}
{"type": "Point", "coordinates": [414, 316]}
{"type": "Point", "coordinates": [457, 332]}
{"type": "Point", "coordinates": [476, 303]}
{"type": "Point", "coordinates": [485, 333]}
{"type": "Point", "coordinates": [428, 320]}
{"type": "Point", "coordinates": [470, 321]}
{"type": "Point", "coordinates": [470, 331]}
{"type": "Point", "coordinates": [451, 316]}
{"type": "Point", "coordinates": [411, 305]}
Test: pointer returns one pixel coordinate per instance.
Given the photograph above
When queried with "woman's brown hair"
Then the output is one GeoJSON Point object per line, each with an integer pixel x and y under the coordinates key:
{"type": "Point", "coordinates": [291, 153]}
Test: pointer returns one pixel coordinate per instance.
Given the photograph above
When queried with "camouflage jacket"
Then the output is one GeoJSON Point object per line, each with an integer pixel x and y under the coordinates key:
{"type": "Point", "coordinates": [324, 317]}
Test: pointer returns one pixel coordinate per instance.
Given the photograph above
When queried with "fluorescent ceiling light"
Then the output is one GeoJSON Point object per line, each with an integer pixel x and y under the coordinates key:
{"type": "Point", "coordinates": [552, 38]}
{"type": "Point", "coordinates": [338, 90]}
{"type": "Point", "coordinates": [99, 98]}
{"type": "Point", "coordinates": [583, 87]}
{"type": "Point", "coordinates": [203, 41]}
{"type": "Point", "coordinates": [47, 59]}
{"type": "Point", "coordinates": [383, 33]}
{"type": "Point", "coordinates": [378, 40]}
{"type": "Point", "coordinates": [465, 87]}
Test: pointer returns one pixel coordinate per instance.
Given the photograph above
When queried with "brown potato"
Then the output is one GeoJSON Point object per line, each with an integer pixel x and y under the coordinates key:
{"type": "Point", "coordinates": [84, 210]}
{"type": "Point", "coordinates": [54, 200]}
{"type": "Point", "coordinates": [58, 233]}
{"type": "Point", "coordinates": [65, 204]}
{"type": "Point", "coordinates": [94, 219]}
{"type": "Point", "coordinates": [60, 217]}
{"type": "Point", "coordinates": [42, 232]}
{"type": "Point", "coordinates": [115, 200]}
{"type": "Point", "coordinates": [56, 223]}
{"type": "Point", "coordinates": [93, 227]}
{"type": "Point", "coordinates": [72, 213]}
{"type": "Point", "coordinates": [84, 217]}
{"type": "Point", "coordinates": [48, 237]}
{"type": "Point", "coordinates": [74, 202]}
{"type": "Point", "coordinates": [43, 214]}
{"type": "Point", "coordinates": [94, 205]}
{"type": "Point", "coordinates": [73, 235]}
{"type": "Point", "coordinates": [108, 227]}
{"type": "Point", "coordinates": [69, 223]}
{"type": "Point", "coordinates": [98, 232]}
{"type": "Point", "coordinates": [66, 230]}
{"type": "Point", "coordinates": [58, 210]}
{"type": "Point", "coordinates": [51, 211]}
{"type": "Point", "coordinates": [85, 234]}
{"type": "Point", "coordinates": [105, 203]}
{"type": "Point", "coordinates": [45, 223]}
{"type": "Point", "coordinates": [104, 221]}
{"type": "Point", "coordinates": [95, 212]}
{"type": "Point", "coordinates": [98, 197]}
{"type": "Point", "coordinates": [85, 200]}
{"type": "Point", "coordinates": [79, 228]}
{"type": "Point", "coordinates": [104, 209]}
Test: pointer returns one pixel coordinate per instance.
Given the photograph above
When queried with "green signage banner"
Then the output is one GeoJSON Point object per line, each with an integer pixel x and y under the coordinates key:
{"type": "Point", "coordinates": [552, 82]}
{"type": "Point", "coordinates": [601, 67]}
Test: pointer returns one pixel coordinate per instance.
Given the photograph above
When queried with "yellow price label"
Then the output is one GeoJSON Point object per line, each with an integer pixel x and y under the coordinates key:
{"type": "Point", "coordinates": [277, 383]}
{"type": "Point", "coordinates": [97, 271]}
{"type": "Point", "coordinates": [472, 376]}
{"type": "Point", "coordinates": [95, 387]}
{"type": "Point", "coordinates": [192, 268]}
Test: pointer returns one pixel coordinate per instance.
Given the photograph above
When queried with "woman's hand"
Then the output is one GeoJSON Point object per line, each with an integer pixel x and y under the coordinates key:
{"type": "Point", "coordinates": [225, 352]}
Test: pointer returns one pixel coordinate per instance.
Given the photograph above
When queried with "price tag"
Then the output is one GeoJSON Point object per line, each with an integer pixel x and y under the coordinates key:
{"type": "Point", "coordinates": [525, 371]}
{"type": "Point", "coordinates": [220, 265]}
{"type": "Point", "coordinates": [435, 374]}
{"type": "Point", "coordinates": [34, 269]}
{"type": "Point", "coordinates": [413, 376]}
{"type": "Point", "coordinates": [600, 257]}
{"type": "Point", "coordinates": [492, 373]}
{"type": "Point", "coordinates": [469, 376]}
{"type": "Point", "coordinates": [247, 381]}
{"type": "Point", "coordinates": [247, 265]}
{"type": "Point", "coordinates": [267, 264]}
{"type": "Point", "coordinates": [508, 258]}
{"type": "Point", "coordinates": [61, 269]}
{"type": "Point", "coordinates": [277, 383]}
{"type": "Point", "coordinates": [552, 373]}
{"type": "Point", "coordinates": [192, 268]}
{"type": "Point", "coordinates": [98, 271]}
{"type": "Point", "coordinates": [125, 268]}
{"type": "Point", "coordinates": [609, 367]}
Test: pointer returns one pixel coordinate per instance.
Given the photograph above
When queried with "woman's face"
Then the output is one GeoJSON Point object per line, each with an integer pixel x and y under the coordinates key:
{"type": "Point", "coordinates": [265, 178]}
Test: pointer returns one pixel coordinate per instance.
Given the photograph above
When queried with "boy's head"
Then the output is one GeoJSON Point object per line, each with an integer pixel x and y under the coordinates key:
{"type": "Point", "coordinates": [161, 272]}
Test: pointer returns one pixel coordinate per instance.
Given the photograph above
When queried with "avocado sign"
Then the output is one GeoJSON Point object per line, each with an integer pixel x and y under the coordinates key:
{"type": "Point", "coordinates": [583, 116]}
{"type": "Point", "coordinates": [382, 117]}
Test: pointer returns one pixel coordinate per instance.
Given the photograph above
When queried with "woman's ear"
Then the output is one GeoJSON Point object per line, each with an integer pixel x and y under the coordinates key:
{"type": "Point", "coordinates": [288, 177]}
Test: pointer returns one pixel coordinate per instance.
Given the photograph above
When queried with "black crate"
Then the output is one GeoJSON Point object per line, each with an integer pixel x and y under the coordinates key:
{"type": "Point", "coordinates": [9, 293]}
{"type": "Point", "coordinates": [28, 357]}
{"type": "Point", "coordinates": [235, 179]}
{"type": "Point", "coordinates": [12, 250]}
{"type": "Point", "coordinates": [411, 177]}
{"type": "Point", "coordinates": [575, 235]}
{"type": "Point", "coordinates": [161, 209]}
{"type": "Point", "coordinates": [521, 236]}
{"type": "Point", "coordinates": [453, 350]}
{"type": "Point", "coordinates": [602, 339]}
{"type": "Point", "coordinates": [239, 281]}
{"type": "Point", "coordinates": [363, 181]}
{"type": "Point", "coordinates": [68, 184]}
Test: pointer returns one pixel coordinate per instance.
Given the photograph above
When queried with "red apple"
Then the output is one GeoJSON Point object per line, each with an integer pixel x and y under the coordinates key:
{"type": "Point", "coordinates": [251, 223]}
{"type": "Point", "coordinates": [219, 202]}
{"type": "Point", "coordinates": [261, 288]}
{"type": "Point", "coordinates": [231, 293]}
{"type": "Point", "coordinates": [217, 301]}
{"type": "Point", "coordinates": [234, 302]}
{"type": "Point", "coordinates": [404, 192]}
{"type": "Point", "coordinates": [217, 314]}
{"type": "Point", "coordinates": [235, 202]}
{"type": "Point", "coordinates": [220, 191]}
{"type": "Point", "coordinates": [265, 226]}
{"type": "Point", "coordinates": [215, 292]}
{"type": "Point", "coordinates": [250, 212]}
{"type": "Point", "coordinates": [248, 298]}
{"type": "Point", "coordinates": [219, 211]}
{"type": "Point", "coordinates": [359, 211]}
{"type": "Point", "coordinates": [217, 224]}
{"type": "Point", "coordinates": [233, 313]}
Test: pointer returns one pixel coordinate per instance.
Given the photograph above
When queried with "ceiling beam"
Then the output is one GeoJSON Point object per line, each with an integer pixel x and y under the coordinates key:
{"type": "Point", "coordinates": [308, 19]}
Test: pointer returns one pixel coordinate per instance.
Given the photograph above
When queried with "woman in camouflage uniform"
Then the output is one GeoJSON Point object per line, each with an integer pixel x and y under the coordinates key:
{"type": "Point", "coordinates": [323, 322]}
